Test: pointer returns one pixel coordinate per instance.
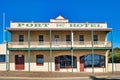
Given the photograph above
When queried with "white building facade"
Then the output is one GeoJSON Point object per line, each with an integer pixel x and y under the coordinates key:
{"type": "Point", "coordinates": [58, 45]}
{"type": "Point", "coordinates": [3, 57]}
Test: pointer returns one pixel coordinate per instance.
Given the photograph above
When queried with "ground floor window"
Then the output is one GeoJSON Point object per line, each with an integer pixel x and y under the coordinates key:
{"type": "Point", "coordinates": [39, 59]}
{"type": "Point", "coordinates": [65, 61]}
{"type": "Point", "coordinates": [2, 58]}
{"type": "Point", "coordinates": [99, 60]}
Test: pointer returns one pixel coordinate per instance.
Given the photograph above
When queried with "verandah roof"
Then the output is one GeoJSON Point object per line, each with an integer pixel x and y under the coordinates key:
{"type": "Point", "coordinates": [60, 29]}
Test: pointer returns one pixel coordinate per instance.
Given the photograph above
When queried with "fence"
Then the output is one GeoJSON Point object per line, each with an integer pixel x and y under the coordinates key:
{"type": "Point", "coordinates": [116, 67]}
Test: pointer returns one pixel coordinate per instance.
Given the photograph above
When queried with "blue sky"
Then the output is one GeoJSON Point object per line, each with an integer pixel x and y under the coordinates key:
{"type": "Point", "coordinates": [75, 10]}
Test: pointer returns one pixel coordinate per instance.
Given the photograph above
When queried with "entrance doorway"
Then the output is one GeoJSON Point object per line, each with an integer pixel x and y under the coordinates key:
{"type": "Point", "coordinates": [57, 64]}
{"type": "Point", "coordinates": [19, 62]}
{"type": "Point", "coordinates": [82, 64]}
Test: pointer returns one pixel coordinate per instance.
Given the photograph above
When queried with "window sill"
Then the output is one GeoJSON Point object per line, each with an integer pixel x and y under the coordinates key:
{"type": "Point", "coordinates": [39, 64]}
{"type": "Point", "coordinates": [94, 67]}
{"type": "Point", "coordinates": [2, 62]}
{"type": "Point", "coordinates": [67, 68]}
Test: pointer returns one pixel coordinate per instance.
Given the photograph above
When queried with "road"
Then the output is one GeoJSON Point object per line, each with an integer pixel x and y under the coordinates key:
{"type": "Point", "coordinates": [23, 78]}
{"type": "Point", "coordinates": [64, 78]}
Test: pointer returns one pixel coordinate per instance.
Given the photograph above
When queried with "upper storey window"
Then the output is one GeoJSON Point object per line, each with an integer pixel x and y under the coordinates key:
{"type": "Point", "coordinates": [95, 37]}
{"type": "Point", "coordinates": [56, 37]}
{"type": "Point", "coordinates": [21, 38]}
{"type": "Point", "coordinates": [81, 37]}
{"type": "Point", "coordinates": [41, 38]}
{"type": "Point", "coordinates": [68, 38]}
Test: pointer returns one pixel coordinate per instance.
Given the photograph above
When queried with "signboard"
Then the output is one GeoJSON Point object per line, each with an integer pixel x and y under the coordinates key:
{"type": "Point", "coordinates": [58, 25]}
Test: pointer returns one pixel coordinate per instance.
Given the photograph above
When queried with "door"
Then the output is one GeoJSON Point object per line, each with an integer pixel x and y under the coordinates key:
{"type": "Point", "coordinates": [82, 64]}
{"type": "Point", "coordinates": [19, 62]}
{"type": "Point", "coordinates": [57, 64]}
{"type": "Point", "coordinates": [56, 38]}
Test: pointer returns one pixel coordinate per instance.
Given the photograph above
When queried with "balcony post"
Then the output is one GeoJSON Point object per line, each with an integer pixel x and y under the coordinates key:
{"type": "Point", "coordinates": [72, 48]}
{"type": "Point", "coordinates": [6, 52]}
{"type": "Point", "coordinates": [50, 51]}
{"type": "Point", "coordinates": [92, 51]}
{"type": "Point", "coordinates": [112, 52]}
{"type": "Point", "coordinates": [29, 50]}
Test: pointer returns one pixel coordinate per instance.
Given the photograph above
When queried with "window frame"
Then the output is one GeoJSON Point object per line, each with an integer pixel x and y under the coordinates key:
{"type": "Point", "coordinates": [65, 61]}
{"type": "Point", "coordinates": [3, 61]}
{"type": "Point", "coordinates": [90, 60]}
{"type": "Point", "coordinates": [68, 37]}
{"type": "Point", "coordinates": [39, 56]}
{"type": "Point", "coordinates": [21, 38]}
{"type": "Point", "coordinates": [81, 37]}
{"type": "Point", "coordinates": [41, 38]}
{"type": "Point", "coordinates": [95, 37]}
{"type": "Point", "coordinates": [56, 36]}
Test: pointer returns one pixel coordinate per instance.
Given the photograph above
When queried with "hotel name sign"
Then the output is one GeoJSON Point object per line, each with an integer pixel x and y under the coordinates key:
{"type": "Point", "coordinates": [58, 25]}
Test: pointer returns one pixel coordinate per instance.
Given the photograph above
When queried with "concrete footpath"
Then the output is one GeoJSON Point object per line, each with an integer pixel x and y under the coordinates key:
{"type": "Point", "coordinates": [24, 75]}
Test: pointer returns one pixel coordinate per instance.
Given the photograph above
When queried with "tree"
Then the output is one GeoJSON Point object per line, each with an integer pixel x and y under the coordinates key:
{"type": "Point", "coordinates": [116, 56]}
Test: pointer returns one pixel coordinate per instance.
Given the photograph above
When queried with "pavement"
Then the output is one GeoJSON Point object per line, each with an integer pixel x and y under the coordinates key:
{"type": "Point", "coordinates": [25, 75]}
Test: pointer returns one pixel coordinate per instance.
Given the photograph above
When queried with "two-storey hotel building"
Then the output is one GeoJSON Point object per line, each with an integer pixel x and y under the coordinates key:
{"type": "Point", "coordinates": [58, 45]}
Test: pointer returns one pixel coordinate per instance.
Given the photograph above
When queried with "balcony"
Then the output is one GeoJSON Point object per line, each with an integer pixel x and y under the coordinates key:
{"type": "Point", "coordinates": [60, 44]}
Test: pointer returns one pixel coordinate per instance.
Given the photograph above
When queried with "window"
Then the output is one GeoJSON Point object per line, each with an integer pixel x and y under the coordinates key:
{"type": "Point", "coordinates": [41, 38]}
{"type": "Point", "coordinates": [56, 36]}
{"type": "Point", "coordinates": [21, 38]}
{"type": "Point", "coordinates": [81, 38]}
{"type": "Point", "coordinates": [95, 38]}
{"type": "Point", "coordinates": [2, 58]}
{"type": "Point", "coordinates": [99, 61]}
{"type": "Point", "coordinates": [68, 38]}
{"type": "Point", "coordinates": [39, 59]}
{"type": "Point", "coordinates": [65, 61]}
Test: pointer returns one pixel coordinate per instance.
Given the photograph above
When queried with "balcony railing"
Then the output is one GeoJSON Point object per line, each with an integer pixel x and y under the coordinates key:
{"type": "Point", "coordinates": [41, 44]}
{"type": "Point", "coordinates": [59, 44]}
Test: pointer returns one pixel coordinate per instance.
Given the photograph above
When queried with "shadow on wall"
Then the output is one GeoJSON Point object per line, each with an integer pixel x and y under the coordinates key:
{"type": "Point", "coordinates": [94, 78]}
